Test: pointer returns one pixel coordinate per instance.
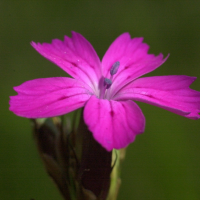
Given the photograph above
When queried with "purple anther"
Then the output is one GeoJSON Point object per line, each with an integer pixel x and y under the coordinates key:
{"type": "Point", "coordinates": [107, 83]}
{"type": "Point", "coordinates": [114, 68]}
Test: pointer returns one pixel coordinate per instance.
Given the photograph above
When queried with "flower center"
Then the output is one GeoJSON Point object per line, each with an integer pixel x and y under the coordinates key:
{"type": "Point", "coordinates": [108, 82]}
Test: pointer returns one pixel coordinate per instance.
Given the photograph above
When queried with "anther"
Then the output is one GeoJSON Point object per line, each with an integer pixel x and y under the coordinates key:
{"type": "Point", "coordinates": [107, 83]}
{"type": "Point", "coordinates": [114, 68]}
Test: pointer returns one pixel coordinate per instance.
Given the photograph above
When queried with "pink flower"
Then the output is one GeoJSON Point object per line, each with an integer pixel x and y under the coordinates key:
{"type": "Point", "coordinates": [105, 88]}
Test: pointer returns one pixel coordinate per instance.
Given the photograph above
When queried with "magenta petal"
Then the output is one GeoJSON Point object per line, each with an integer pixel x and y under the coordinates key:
{"type": "Point", "coordinates": [113, 124]}
{"type": "Point", "coordinates": [116, 51]}
{"type": "Point", "coordinates": [48, 97]}
{"type": "Point", "coordinates": [169, 92]}
{"type": "Point", "coordinates": [134, 60]}
{"type": "Point", "coordinates": [74, 55]}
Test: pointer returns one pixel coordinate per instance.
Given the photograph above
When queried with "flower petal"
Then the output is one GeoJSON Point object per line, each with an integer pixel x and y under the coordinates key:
{"type": "Point", "coordinates": [48, 97]}
{"type": "Point", "coordinates": [134, 60]}
{"type": "Point", "coordinates": [113, 124]}
{"type": "Point", "coordinates": [169, 92]}
{"type": "Point", "coordinates": [74, 55]}
{"type": "Point", "coordinates": [116, 51]}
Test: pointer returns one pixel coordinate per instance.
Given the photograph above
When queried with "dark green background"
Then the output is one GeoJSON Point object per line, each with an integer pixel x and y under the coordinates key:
{"type": "Point", "coordinates": [164, 162]}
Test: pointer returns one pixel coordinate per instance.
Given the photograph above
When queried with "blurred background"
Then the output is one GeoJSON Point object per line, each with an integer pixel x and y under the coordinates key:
{"type": "Point", "coordinates": [164, 162]}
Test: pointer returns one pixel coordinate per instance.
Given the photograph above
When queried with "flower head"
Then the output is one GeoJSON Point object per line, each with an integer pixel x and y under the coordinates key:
{"type": "Point", "coordinates": [105, 88]}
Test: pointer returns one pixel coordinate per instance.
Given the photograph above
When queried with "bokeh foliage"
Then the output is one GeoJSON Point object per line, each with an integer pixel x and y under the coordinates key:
{"type": "Point", "coordinates": [164, 162]}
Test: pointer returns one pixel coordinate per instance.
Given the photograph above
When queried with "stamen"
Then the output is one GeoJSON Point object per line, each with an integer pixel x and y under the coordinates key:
{"type": "Point", "coordinates": [107, 83]}
{"type": "Point", "coordinates": [114, 68]}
